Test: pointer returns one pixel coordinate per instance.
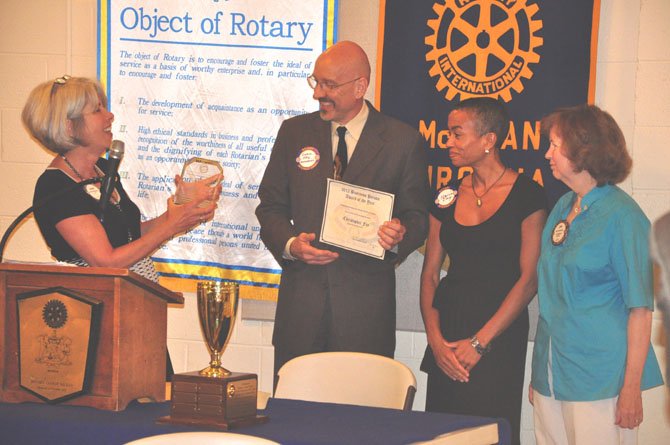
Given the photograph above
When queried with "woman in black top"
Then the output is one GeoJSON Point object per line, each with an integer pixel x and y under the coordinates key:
{"type": "Point", "coordinates": [69, 117]}
{"type": "Point", "coordinates": [489, 223]}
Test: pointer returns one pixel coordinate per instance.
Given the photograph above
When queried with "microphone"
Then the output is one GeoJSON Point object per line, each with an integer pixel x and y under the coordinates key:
{"type": "Point", "coordinates": [107, 185]}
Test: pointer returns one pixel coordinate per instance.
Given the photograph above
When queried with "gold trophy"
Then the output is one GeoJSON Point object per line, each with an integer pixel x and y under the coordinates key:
{"type": "Point", "coordinates": [215, 396]}
{"type": "Point", "coordinates": [217, 303]}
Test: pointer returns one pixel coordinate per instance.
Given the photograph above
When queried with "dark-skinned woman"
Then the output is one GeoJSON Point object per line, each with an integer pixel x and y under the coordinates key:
{"type": "Point", "coordinates": [476, 317]}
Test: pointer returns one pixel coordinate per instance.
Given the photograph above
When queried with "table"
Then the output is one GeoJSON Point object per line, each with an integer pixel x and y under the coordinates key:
{"type": "Point", "coordinates": [291, 422]}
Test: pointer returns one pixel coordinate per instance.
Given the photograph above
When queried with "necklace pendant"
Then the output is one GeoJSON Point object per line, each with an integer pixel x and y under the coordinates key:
{"type": "Point", "coordinates": [479, 202]}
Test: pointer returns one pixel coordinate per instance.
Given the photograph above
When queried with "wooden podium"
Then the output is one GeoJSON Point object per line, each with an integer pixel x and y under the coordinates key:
{"type": "Point", "coordinates": [131, 350]}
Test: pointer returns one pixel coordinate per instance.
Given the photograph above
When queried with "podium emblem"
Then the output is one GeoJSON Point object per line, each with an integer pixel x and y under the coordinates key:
{"type": "Point", "coordinates": [58, 334]}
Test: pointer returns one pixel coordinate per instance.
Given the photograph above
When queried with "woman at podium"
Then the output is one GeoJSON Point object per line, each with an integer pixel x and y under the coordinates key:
{"type": "Point", "coordinates": [96, 224]}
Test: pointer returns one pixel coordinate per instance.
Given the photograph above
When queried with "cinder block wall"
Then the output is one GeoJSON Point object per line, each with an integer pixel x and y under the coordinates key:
{"type": "Point", "coordinates": [43, 39]}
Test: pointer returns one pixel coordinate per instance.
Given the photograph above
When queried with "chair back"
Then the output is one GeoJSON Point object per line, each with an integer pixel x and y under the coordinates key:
{"type": "Point", "coordinates": [352, 378]}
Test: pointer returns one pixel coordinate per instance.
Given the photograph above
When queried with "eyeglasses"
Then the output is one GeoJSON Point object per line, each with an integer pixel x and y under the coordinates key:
{"type": "Point", "coordinates": [313, 82]}
{"type": "Point", "coordinates": [62, 80]}
{"type": "Point", "coordinates": [59, 81]}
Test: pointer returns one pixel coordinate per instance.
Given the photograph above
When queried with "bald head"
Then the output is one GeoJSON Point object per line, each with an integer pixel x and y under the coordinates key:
{"type": "Point", "coordinates": [342, 74]}
{"type": "Point", "coordinates": [350, 57]}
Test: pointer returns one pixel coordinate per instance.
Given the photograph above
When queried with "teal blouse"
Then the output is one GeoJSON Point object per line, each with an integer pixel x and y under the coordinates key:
{"type": "Point", "coordinates": [586, 287]}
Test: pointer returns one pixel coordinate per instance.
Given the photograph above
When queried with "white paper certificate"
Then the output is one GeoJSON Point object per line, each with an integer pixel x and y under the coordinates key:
{"type": "Point", "coordinates": [352, 216]}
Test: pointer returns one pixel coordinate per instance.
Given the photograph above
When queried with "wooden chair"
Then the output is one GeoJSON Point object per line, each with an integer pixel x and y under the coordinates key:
{"type": "Point", "coordinates": [352, 378]}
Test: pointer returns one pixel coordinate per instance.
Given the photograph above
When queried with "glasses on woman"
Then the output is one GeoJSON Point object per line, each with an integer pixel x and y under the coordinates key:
{"type": "Point", "coordinates": [59, 81]}
{"type": "Point", "coordinates": [313, 82]}
{"type": "Point", "coordinates": [62, 80]}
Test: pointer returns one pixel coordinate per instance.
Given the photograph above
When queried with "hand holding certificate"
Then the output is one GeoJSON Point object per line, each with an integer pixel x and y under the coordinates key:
{"type": "Point", "coordinates": [352, 216]}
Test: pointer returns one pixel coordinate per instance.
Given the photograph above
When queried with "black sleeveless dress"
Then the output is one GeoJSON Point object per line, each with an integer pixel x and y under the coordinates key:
{"type": "Point", "coordinates": [483, 267]}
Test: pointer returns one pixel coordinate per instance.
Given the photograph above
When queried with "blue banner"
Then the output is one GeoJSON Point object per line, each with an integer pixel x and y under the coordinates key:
{"type": "Point", "coordinates": [534, 55]}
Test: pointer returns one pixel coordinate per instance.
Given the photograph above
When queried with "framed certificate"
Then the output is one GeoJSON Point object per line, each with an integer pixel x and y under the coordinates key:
{"type": "Point", "coordinates": [352, 216]}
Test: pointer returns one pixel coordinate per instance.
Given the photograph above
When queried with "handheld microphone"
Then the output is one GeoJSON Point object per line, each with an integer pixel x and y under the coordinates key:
{"type": "Point", "coordinates": [108, 182]}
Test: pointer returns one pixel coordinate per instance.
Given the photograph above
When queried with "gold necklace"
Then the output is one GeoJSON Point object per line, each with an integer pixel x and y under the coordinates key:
{"type": "Point", "coordinates": [486, 190]}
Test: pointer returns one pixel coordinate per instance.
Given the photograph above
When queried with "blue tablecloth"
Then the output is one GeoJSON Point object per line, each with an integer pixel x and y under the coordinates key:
{"type": "Point", "coordinates": [291, 422]}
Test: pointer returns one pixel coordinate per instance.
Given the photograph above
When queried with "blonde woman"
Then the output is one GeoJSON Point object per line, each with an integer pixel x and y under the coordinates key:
{"type": "Point", "coordinates": [69, 117]}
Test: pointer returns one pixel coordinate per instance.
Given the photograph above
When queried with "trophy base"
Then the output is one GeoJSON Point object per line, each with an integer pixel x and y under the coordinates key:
{"type": "Point", "coordinates": [218, 402]}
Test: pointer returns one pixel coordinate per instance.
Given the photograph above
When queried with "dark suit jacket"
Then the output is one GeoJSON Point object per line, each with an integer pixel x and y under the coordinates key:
{"type": "Point", "coordinates": [360, 290]}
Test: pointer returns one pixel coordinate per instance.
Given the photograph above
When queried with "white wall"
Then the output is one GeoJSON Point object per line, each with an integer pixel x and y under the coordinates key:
{"type": "Point", "coordinates": [43, 39]}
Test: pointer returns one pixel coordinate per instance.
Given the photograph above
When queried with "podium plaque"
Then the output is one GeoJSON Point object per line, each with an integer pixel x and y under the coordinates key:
{"type": "Point", "coordinates": [58, 337]}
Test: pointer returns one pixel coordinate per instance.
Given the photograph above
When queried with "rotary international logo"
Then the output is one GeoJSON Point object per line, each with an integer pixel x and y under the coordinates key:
{"type": "Point", "coordinates": [54, 350]}
{"type": "Point", "coordinates": [483, 48]}
{"type": "Point", "coordinates": [54, 314]}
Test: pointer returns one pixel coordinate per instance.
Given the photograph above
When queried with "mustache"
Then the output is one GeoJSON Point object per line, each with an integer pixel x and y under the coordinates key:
{"type": "Point", "coordinates": [326, 101]}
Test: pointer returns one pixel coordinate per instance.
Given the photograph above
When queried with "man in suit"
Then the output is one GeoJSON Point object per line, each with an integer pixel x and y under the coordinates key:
{"type": "Point", "coordinates": [332, 299]}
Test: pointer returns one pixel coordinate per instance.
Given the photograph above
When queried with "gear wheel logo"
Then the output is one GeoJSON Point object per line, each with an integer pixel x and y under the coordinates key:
{"type": "Point", "coordinates": [54, 314]}
{"type": "Point", "coordinates": [483, 48]}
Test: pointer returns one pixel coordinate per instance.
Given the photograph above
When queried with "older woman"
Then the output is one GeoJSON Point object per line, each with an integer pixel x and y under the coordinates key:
{"type": "Point", "coordinates": [476, 318]}
{"type": "Point", "coordinates": [592, 354]}
{"type": "Point", "coordinates": [69, 117]}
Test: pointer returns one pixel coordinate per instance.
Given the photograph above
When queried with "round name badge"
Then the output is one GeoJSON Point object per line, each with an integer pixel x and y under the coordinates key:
{"type": "Point", "coordinates": [308, 158]}
{"type": "Point", "coordinates": [560, 232]}
{"type": "Point", "coordinates": [446, 197]}
{"type": "Point", "coordinates": [93, 191]}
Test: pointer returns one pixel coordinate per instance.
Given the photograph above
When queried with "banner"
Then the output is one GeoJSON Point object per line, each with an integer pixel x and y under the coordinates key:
{"type": "Point", "coordinates": [535, 55]}
{"type": "Point", "coordinates": [208, 79]}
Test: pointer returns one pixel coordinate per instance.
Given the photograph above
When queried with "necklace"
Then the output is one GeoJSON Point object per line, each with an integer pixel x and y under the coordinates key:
{"type": "Point", "coordinates": [486, 190]}
{"type": "Point", "coordinates": [69, 164]}
{"type": "Point", "coordinates": [93, 190]}
{"type": "Point", "coordinates": [577, 207]}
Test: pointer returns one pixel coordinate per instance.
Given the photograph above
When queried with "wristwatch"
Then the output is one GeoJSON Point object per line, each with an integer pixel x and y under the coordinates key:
{"type": "Point", "coordinates": [481, 350]}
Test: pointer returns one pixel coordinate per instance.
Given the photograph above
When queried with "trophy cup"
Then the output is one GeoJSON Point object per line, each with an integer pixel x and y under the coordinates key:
{"type": "Point", "coordinates": [217, 303]}
{"type": "Point", "coordinates": [215, 396]}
